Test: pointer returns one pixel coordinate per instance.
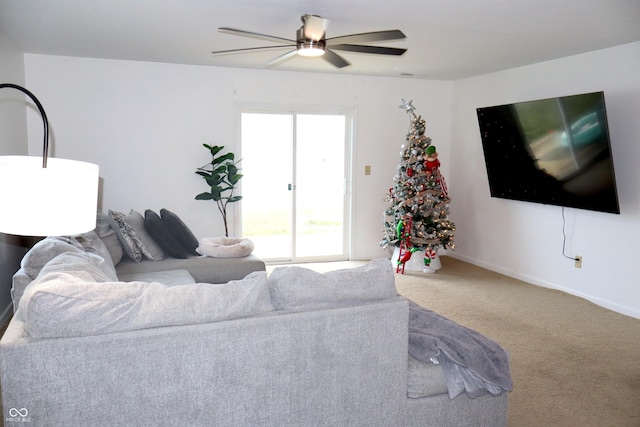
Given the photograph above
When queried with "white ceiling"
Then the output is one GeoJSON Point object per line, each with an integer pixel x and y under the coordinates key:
{"type": "Point", "coordinates": [446, 39]}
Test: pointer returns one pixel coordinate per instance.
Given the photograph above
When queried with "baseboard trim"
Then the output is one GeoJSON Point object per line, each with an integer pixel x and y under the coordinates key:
{"type": "Point", "coordinates": [627, 311]}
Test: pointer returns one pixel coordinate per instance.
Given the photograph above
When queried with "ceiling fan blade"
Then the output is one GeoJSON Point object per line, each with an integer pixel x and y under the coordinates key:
{"type": "Point", "coordinates": [335, 59]}
{"type": "Point", "coordinates": [248, 49]}
{"type": "Point", "coordinates": [314, 27]}
{"type": "Point", "coordinates": [376, 36]}
{"type": "Point", "coordinates": [236, 32]}
{"type": "Point", "coordinates": [378, 50]}
{"type": "Point", "coordinates": [277, 60]}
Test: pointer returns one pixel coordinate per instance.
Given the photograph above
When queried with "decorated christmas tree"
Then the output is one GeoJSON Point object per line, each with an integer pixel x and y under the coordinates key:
{"type": "Point", "coordinates": [416, 221]}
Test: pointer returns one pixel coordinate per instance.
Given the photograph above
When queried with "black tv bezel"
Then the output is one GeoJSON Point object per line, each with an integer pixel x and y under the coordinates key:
{"type": "Point", "coordinates": [539, 194]}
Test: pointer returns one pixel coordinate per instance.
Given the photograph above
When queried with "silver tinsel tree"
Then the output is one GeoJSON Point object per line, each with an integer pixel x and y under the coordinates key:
{"type": "Point", "coordinates": [416, 219]}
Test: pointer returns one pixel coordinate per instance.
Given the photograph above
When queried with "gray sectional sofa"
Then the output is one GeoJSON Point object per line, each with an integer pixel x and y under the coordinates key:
{"type": "Point", "coordinates": [164, 264]}
{"type": "Point", "coordinates": [295, 348]}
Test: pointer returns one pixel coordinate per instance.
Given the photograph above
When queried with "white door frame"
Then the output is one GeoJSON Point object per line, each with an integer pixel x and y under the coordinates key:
{"type": "Point", "coordinates": [349, 114]}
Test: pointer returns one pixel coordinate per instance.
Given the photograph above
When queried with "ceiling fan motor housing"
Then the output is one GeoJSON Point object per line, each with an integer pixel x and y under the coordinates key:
{"type": "Point", "coordinates": [309, 47]}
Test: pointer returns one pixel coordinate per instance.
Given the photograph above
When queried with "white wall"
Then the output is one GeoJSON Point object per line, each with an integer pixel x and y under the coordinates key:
{"type": "Point", "coordinates": [524, 240]}
{"type": "Point", "coordinates": [13, 141]}
{"type": "Point", "coordinates": [13, 116]}
{"type": "Point", "coordinates": [145, 123]}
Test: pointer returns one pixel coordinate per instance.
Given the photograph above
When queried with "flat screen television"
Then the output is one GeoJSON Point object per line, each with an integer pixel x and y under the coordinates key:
{"type": "Point", "coordinates": [554, 151]}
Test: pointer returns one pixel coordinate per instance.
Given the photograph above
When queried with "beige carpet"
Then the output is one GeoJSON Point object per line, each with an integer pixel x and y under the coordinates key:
{"type": "Point", "coordinates": [573, 363]}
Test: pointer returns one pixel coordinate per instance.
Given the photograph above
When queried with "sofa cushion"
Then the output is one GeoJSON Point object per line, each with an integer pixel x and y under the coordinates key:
{"type": "Point", "coordinates": [159, 231]}
{"type": "Point", "coordinates": [63, 305]}
{"type": "Point", "coordinates": [180, 231]}
{"type": "Point", "coordinates": [45, 250]}
{"type": "Point", "coordinates": [108, 237]}
{"type": "Point", "coordinates": [424, 379]}
{"type": "Point", "coordinates": [84, 266]}
{"type": "Point", "coordinates": [94, 245]}
{"type": "Point", "coordinates": [150, 249]}
{"type": "Point", "coordinates": [166, 277]}
{"type": "Point", "coordinates": [297, 287]}
{"type": "Point", "coordinates": [203, 269]}
{"type": "Point", "coordinates": [126, 235]}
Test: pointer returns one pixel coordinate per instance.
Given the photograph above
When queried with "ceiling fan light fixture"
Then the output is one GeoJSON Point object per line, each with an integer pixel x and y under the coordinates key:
{"type": "Point", "coordinates": [310, 48]}
{"type": "Point", "coordinates": [311, 41]}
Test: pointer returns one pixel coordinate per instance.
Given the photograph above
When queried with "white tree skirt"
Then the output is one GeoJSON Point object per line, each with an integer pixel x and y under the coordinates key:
{"type": "Point", "coordinates": [416, 263]}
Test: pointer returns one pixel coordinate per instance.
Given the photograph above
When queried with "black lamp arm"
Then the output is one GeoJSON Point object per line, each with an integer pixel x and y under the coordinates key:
{"type": "Point", "coordinates": [45, 149]}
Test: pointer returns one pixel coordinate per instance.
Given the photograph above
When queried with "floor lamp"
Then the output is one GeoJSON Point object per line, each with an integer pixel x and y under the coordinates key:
{"type": "Point", "coordinates": [46, 196]}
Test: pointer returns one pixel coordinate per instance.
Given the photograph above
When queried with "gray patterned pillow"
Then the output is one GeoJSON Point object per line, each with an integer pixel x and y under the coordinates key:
{"type": "Point", "coordinates": [126, 235]}
{"type": "Point", "coordinates": [150, 249]}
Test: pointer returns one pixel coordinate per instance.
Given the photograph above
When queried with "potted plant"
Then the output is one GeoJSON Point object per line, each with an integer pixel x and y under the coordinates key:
{"type": "Point", "coordinates": [221, 176]}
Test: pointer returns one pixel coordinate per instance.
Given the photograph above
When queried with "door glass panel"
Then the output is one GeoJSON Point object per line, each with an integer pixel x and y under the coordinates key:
{"type": "Point", "coordinates": [320, 185]}
{"type": "Point", "coordinates": [266, 199]}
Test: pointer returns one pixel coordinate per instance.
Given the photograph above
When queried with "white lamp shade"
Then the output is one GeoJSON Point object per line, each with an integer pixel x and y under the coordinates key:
{"type": "Point", "coordinates": [58, 200]}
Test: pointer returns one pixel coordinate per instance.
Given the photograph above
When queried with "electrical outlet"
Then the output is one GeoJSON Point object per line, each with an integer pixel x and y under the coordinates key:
{"type": "Point", "coordinates": [578, 259]}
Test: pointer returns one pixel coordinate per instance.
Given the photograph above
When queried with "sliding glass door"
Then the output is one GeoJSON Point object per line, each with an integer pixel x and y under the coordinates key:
{"type": "Point", "coordinates": [295, 186]}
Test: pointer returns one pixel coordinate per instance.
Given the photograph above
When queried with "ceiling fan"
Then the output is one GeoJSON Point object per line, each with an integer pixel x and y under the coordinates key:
{"type": "Point", "coordinates": [310, 41]}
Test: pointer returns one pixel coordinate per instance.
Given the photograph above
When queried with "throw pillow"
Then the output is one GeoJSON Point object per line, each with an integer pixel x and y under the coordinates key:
{"type": "Point", "coordinates": [150, 249]}
{"type": "Point", "coordinates": [297, 287]}
{"type": "Point", "coordinates": [45, 250]}
{"type": "Point", "coordinates": [126, 235]}
{"type": "Point", "coordinates": [180, 231]}
{"type": "Point", "coordinates": [160, 233]}
{"type": "Point", "coordinates": [78, 308]}
{"type": "Point", "coordinates": [109, 237]}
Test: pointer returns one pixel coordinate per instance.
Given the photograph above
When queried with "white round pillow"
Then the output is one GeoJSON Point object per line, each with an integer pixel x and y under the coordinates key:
{"type": "Point", "coordinates": [225, 247]}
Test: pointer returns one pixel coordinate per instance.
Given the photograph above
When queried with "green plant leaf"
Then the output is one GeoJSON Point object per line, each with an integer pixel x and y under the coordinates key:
{"type": "Point", "coordinates": [234, 199]}
{"type": "Point", "coordinates": [221, 159]}
{"type": "Point", "coordinates": [233, 179]}
{"type": "Point", "coordinates": [214, 181]}
{"type": "Point", "coordinates": [204, 196]}
{"type": "Point", "coordinates": [215, 149]}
